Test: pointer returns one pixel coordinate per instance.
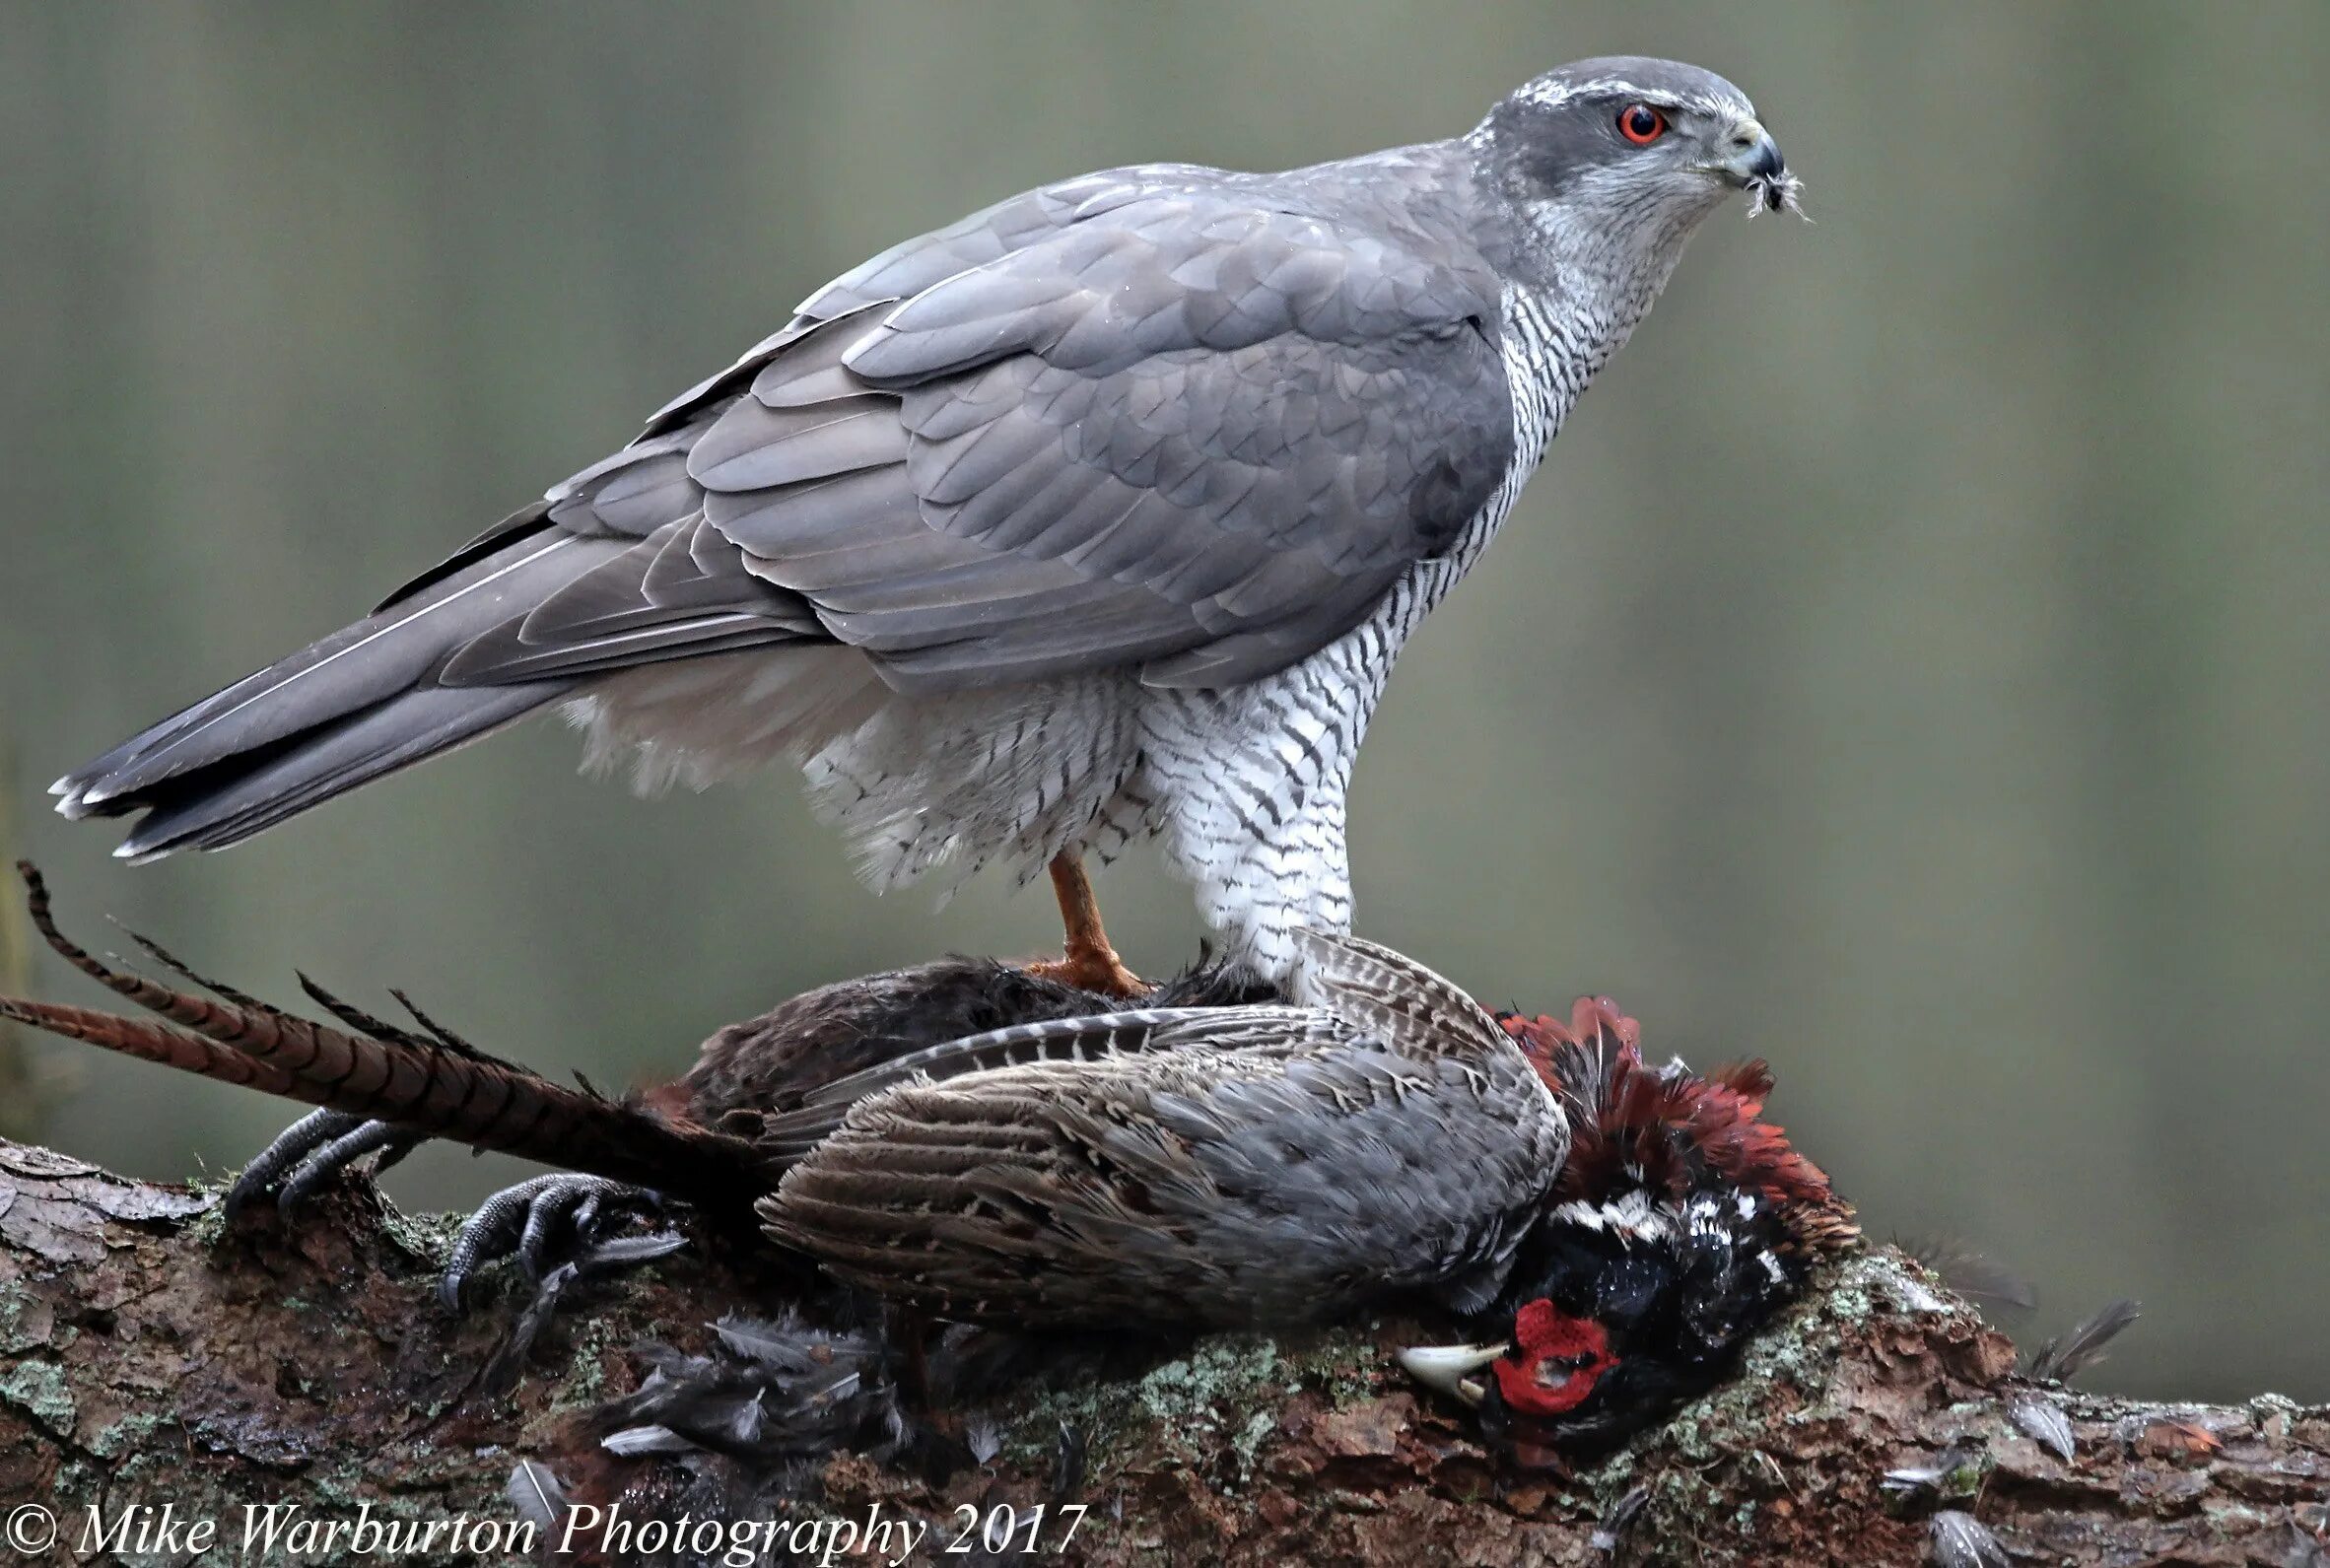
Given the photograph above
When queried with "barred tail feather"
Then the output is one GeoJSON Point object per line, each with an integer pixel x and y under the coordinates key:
{"type": "Point", "coordinates": [434, 1085]}
{"type": "Point", "coordinates": [151, 1040]}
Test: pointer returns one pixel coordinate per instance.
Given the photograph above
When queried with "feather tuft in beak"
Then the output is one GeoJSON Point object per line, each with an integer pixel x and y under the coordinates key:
{"type": "Point", "coordinates": [1780, 192]}
{"type": "Point", "coordinates": [1757, 166]}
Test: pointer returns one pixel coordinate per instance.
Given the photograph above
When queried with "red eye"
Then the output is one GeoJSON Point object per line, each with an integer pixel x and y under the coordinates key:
{"type": "Point", "coordinates": [1641, 125]}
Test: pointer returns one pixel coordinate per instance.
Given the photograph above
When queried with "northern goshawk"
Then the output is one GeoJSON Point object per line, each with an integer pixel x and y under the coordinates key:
{"type": "Point", "coordinates": [1100, 513]}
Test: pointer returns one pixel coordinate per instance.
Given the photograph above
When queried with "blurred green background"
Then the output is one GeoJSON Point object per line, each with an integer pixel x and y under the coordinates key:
{"type": "Point", "coordinates": [1907, 667]}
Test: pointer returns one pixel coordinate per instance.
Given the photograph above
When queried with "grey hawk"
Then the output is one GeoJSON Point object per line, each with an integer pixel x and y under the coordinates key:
{"type": "Point", "coordinates": [1102, 513]}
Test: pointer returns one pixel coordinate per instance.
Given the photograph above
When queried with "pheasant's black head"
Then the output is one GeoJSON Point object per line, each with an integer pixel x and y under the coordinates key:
{"type": "Point", "coordinates": [1682, 1223]}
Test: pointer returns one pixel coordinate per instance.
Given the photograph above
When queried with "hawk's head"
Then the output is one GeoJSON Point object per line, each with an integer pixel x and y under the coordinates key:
{"type": "Point", "coordinates": [1610, 164]}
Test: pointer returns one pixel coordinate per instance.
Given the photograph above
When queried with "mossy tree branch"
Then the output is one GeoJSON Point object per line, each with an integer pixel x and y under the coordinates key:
{"type": "Point", "coordinates": [147, 1357]}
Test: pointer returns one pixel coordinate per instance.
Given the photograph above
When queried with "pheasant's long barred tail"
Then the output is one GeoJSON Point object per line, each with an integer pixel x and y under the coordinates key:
{"type": "Point", "coordinates": [437, 1087]}
{"type": "Point", "coordinates": [151, 1040]}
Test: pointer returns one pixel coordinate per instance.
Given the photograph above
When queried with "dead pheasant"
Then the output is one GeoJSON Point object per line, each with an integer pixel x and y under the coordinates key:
{"type": "Point", "coordinates": [986, 1147]}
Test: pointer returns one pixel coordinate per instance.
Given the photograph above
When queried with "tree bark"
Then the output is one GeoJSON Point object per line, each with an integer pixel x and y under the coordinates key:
{"type": "Point", "coordinates": [149, 1356]}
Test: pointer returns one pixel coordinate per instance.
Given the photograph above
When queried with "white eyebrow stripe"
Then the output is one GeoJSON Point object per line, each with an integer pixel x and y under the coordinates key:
{"type": "Point", "coordinates": [1555, 97]}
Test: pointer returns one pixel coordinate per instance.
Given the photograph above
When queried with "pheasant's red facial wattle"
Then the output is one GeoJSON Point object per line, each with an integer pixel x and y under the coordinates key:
{"type": "Point", "coordinates": [1559, 1360]}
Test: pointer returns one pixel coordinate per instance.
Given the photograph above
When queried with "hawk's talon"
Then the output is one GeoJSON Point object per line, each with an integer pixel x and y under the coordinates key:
{"type": "Point", "coordinates": [1092, 970]}
{"type": "Point", "coordinates": [1086, 961]}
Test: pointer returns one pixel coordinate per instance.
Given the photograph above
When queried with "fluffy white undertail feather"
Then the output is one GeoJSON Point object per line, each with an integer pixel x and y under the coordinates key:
{"type": "Point", "coordinates": [697, 721]}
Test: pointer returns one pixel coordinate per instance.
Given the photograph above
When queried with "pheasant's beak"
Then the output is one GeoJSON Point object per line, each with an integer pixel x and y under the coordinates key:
{"type": "Point", "coordinates": [1450, 1368]}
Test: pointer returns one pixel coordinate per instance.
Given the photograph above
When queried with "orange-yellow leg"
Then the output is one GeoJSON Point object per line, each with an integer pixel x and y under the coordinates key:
{"type": "Point", "coordinates": [1087, 959]}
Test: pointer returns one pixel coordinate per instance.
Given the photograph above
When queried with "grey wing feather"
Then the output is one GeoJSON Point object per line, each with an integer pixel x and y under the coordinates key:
{"type": "Point", "coordinates": [336, 758]}
{"type": "Point", "coordinates": [905, 269]}
{"type": "Point", "coordinates": [651, 600]}
{"type": "Point", "coordinates": [1153, 418]}
{"type": "Point", "coordinates": [555, 592]}
{"type": "Point", "coordinates": [1157, 1191]}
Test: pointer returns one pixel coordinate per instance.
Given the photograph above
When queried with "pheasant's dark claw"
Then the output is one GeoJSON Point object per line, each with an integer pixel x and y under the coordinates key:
{"type": "Point", "coordinates": [309, 1153]}
{"type": "Point", "coordinates": [552, 1222]}
{"type": "Point", "coordinates": [291, 1146]}
{"type": "Point", "coordinates": [336, 1156]}
{"type": "Point", "coordinates": [542, 1224]}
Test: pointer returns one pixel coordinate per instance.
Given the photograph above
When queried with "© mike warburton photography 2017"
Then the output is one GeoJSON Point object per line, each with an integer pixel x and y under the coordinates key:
{"type": "Point", "coordinates": [1682, 645]}
{"type": "Point", "coordinates": [286, 1531]}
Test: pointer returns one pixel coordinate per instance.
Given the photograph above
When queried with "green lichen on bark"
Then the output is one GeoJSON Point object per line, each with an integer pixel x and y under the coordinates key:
{"type": "Point", "coordinates": [426, 1237]}
{"type": "Point", "coordinates": [40, 1389]}
{"type": "Point", "coordinates": [17, 1316]}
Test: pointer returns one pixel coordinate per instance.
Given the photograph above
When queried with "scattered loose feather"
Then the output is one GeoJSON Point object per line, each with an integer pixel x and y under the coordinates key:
{"type": "Point", "coordinates": [772, 1391]}
{"type": "Point", "coordinates": [2045, 1424]}
{"type": "Point", "coordinates": [503, 1367]}
{"type": "Point", "coordinates": [1068, 1455]}
{"type": "Point", "coordinates": [537, 1494]}
{"type": "Point", "coordinates": [1912, 1479]}
{"type": "Point", "coordinates": [2065, 1356]}
{"type": "Point", "coordinates": [1960, 1540]}
{"type": "Point", "coordinates": [1970, 1273]}
{"type": "Point", "coordinates": [637, 1440]}
{"type": "Point", "coordinates": [1612, 1528]}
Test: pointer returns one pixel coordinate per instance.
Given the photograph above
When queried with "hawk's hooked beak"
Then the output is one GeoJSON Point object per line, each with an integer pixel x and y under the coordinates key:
{"type": "Point", "coordinates": [1753, 162]}
{"type": "Point", "coordinates": [1449, 1368]}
